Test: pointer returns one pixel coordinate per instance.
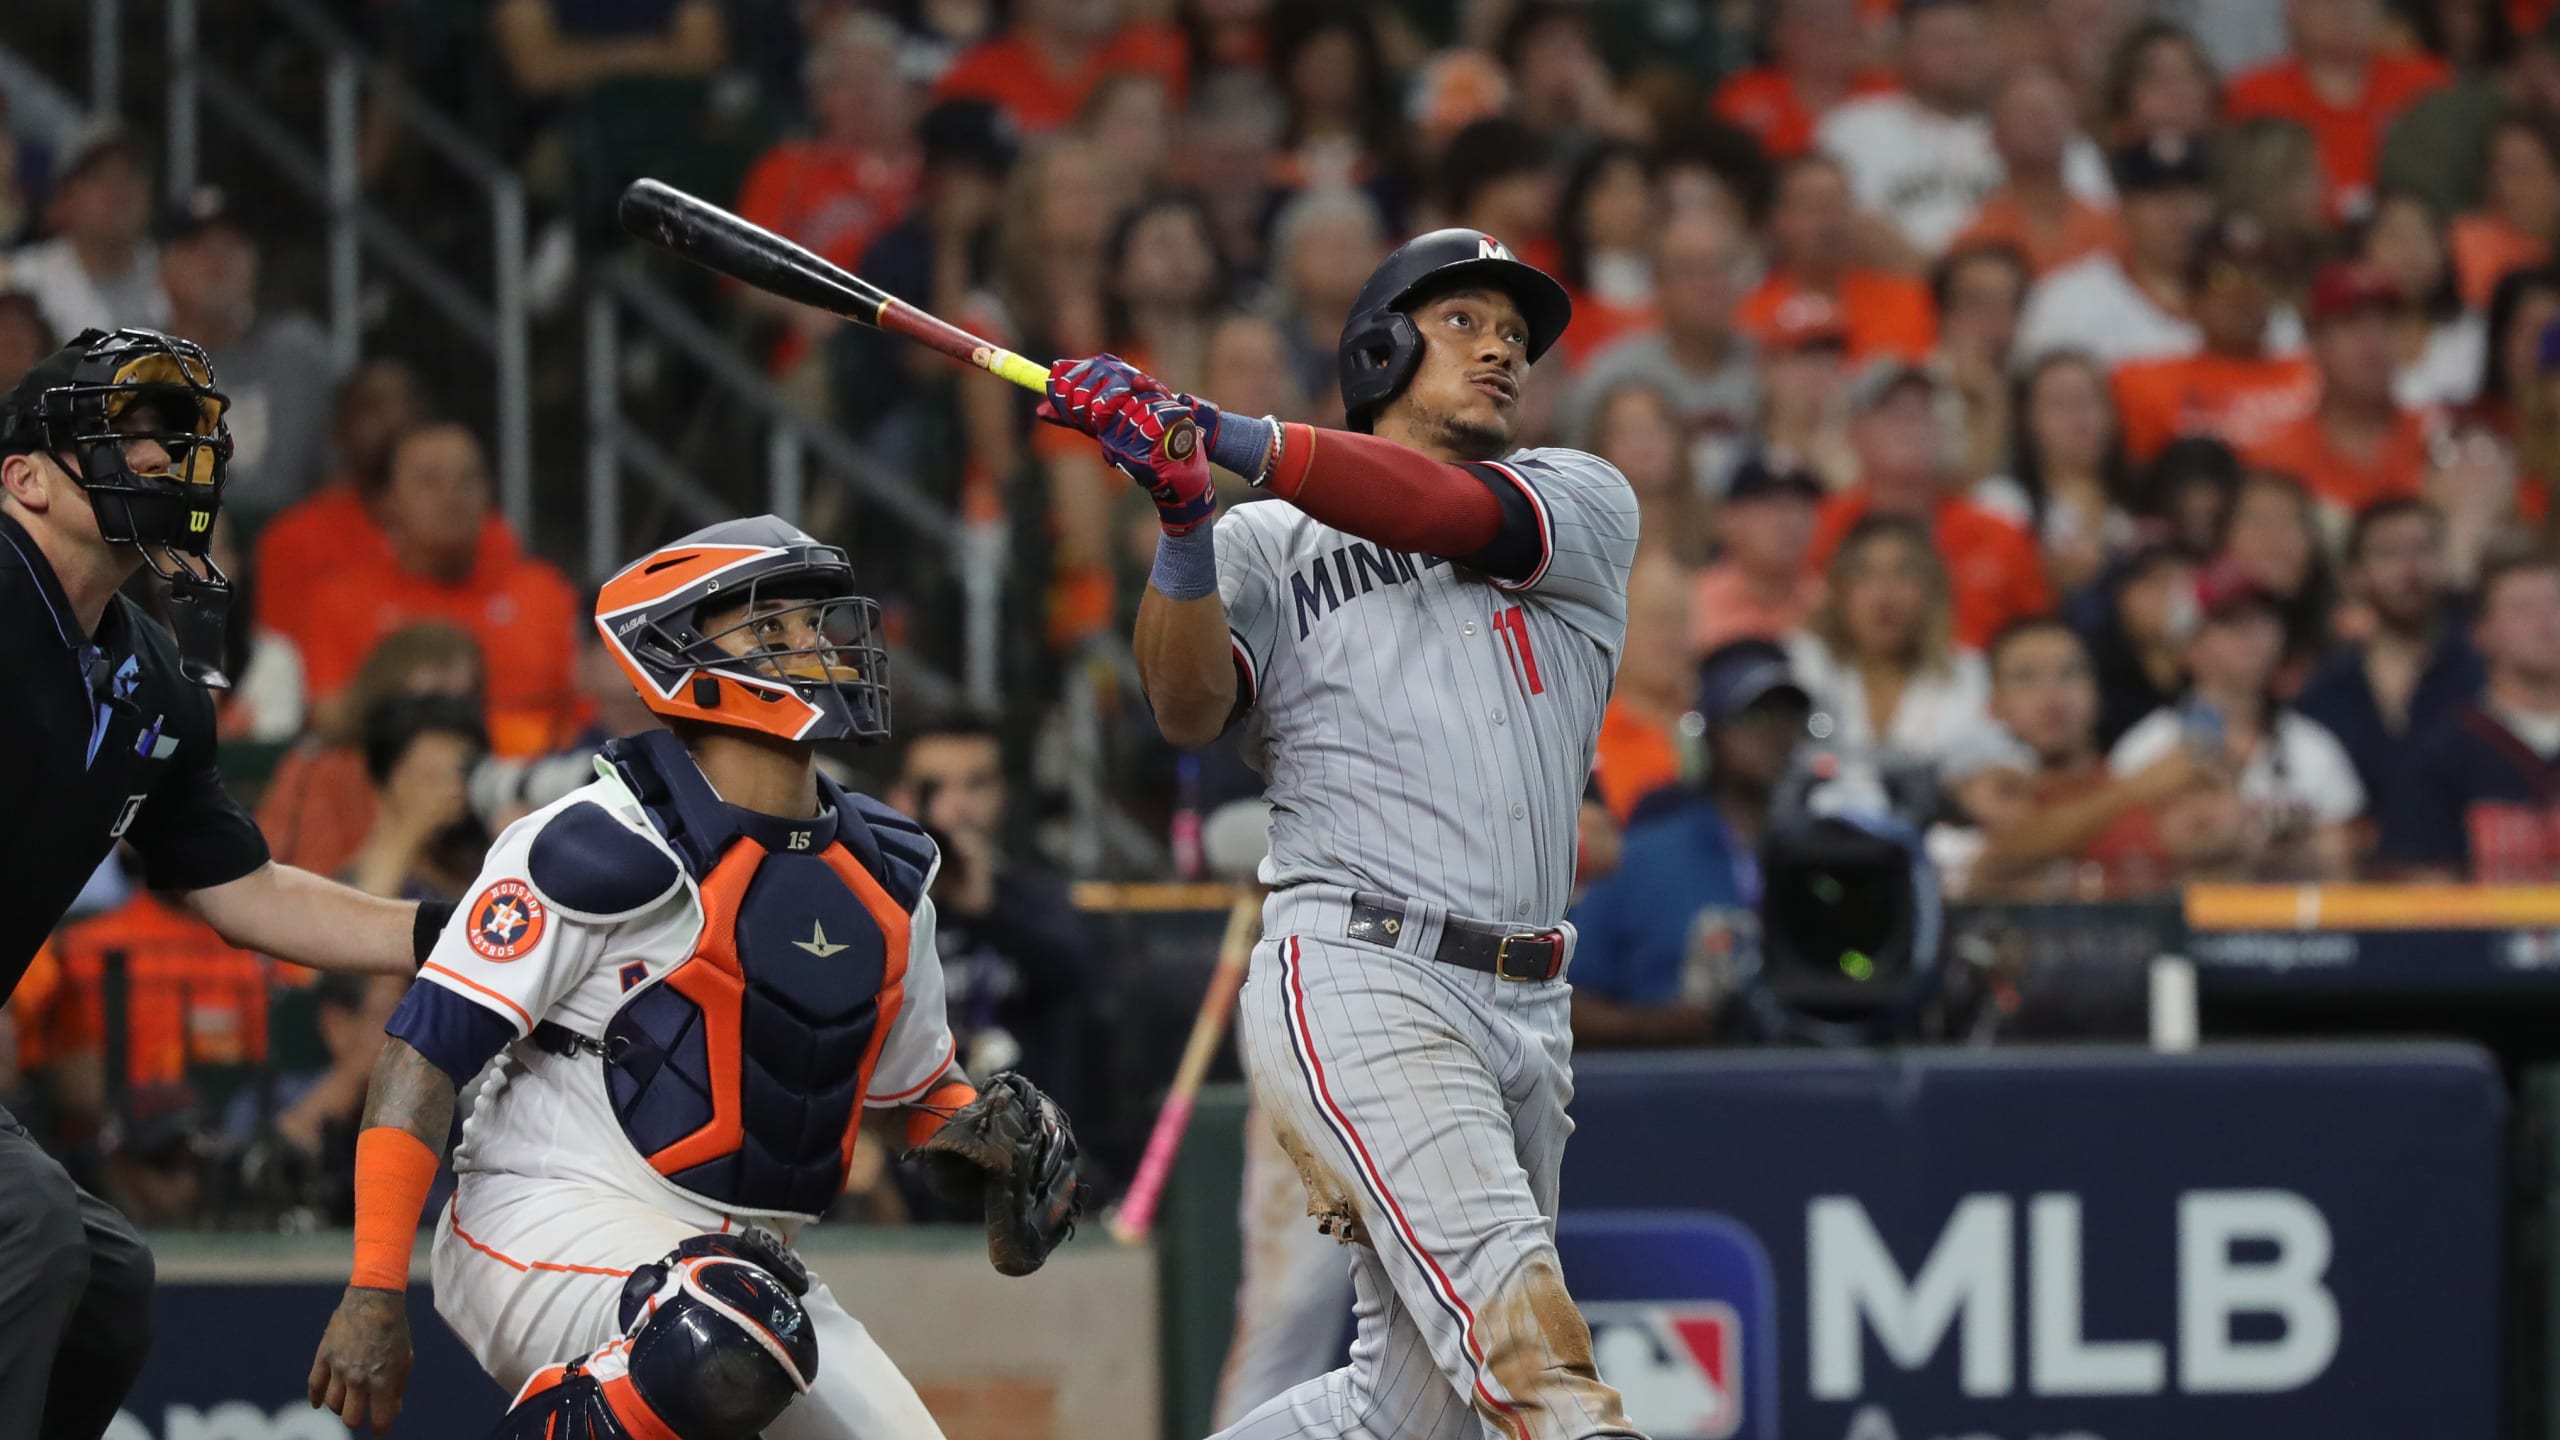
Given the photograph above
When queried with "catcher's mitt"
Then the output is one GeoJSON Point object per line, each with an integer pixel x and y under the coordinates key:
{"type": "Point", "coordinates": [1012, 1150]}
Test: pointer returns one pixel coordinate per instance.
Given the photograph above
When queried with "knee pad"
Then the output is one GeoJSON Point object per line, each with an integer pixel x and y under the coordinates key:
{"type": "Point", "coordinates": [714, 1345]}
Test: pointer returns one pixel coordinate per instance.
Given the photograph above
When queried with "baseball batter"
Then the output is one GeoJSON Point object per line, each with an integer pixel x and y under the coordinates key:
{"type": "Point", "coordinates": [1425, 634]}
{"type": "Point", "coordinates": [691, 977]}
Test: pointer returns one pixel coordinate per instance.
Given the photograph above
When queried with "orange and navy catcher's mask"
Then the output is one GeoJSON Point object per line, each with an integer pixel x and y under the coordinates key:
{"type": "Point", "coordinates": [750, 624]}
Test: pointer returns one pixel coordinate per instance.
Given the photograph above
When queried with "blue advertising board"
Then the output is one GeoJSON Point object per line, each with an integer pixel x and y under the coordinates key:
{"type": "Point", "coordinates": [2102, 1245]}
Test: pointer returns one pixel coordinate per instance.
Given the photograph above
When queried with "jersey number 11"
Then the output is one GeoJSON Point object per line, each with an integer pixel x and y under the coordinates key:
{"type": "Point", "coordinates": [1512, 625]}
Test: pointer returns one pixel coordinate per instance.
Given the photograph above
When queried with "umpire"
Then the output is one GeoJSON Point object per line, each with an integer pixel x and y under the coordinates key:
{"type": "Point", "coordinates": [112, 457]}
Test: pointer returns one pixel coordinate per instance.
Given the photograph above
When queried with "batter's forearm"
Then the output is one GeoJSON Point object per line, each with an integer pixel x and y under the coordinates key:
{"type": "Point", "coordinates": [1186, 665]}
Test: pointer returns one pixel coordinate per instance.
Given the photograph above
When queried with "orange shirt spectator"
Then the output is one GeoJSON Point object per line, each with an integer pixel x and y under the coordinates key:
{"type": "Point", "coordinates": [328, 533]}
{"type": "Point", "coordinates": [1725, 606]}
{"type": "Point", "coordinates": [1638, 755]}
{"type": "Point", "coordinates": [1993, 569]}
{"type": "Point", "coordinates": [2485, 248]}
{"type": "Point", "coordinates": [319, 805]}
{"type": "Point", "coordinates": [524, 613]}
{"type": "Point", "coordinates": [2244, 401]}
{"type": "Point", "coordinates": [1765, 100]}
{"type": "Point", "coordinates": [832, 199]}
{"type": "Point", "coordinates": [1041, 70]}
{"type": "Point", "coordinates": [2350, 133]}
{"type": "Point", "coordinates": [1639, 752]}
{"type": "Point", "coordinates": [191, 999]}
{"type": "Point", "coordinates": [2303, 451]}
{"type": "Point", "coordinates": [2085, 230]}
{"type": "Point", "coordinates": [1886, 314]}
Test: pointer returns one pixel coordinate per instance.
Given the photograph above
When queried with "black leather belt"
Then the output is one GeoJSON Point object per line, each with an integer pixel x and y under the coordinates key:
{"type": "Point", "coordinates": [1497, 950]}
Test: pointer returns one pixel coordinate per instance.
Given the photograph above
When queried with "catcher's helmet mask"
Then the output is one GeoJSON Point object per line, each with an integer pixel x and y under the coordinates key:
{"type": "Point", "coordinates": [89, 405]}
{"type": "Point", "coordinates": [1382, 348]}
{"type": "Point", "coordinates": [813, 667]}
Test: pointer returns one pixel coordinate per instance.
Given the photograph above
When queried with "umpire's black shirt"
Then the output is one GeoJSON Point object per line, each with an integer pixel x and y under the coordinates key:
{"type": "Point", "coordinates": [99, 739]}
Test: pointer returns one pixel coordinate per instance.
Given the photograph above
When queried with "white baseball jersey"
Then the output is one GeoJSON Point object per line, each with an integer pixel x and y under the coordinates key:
{"type": "Point", "coordinates": [527, 957]}
{"type": "Point", "coordinates": [1429, 729]}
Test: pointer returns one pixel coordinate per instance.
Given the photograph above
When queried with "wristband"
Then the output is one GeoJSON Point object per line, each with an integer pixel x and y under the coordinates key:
{"type": "Point", "coordinates": [425, 926]}
{"type": "Point", "coordinates": [1245, 446]}
{"type": "Point", "coordinates": [394, 1170]}
{"type": "Point", "coordinates": [1186, 565]}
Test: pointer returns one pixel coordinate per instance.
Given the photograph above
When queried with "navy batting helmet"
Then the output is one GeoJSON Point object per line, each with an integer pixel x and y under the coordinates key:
{"type": "Point", "coordinates": [1380, 346]}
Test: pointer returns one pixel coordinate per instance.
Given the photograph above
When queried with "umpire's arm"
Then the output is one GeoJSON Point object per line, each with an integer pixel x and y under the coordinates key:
{"type": "Point", "coordinates": [292, 914]}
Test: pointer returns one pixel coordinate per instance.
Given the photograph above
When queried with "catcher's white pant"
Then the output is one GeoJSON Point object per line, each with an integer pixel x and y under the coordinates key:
{"type": "Point", "coordinates": [529, 1273]}
{"type": "Point", "coordinates": [1425, 1106]}
{"type": "Point", "coordinates": [1295, 1292]}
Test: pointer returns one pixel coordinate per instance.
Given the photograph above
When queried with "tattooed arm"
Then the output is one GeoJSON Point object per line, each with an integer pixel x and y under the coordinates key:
{"type": "Point", "coordinates": [364, 1357]}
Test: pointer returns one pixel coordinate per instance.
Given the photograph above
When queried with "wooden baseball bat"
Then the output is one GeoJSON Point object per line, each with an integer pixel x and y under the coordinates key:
{"type": "Point", "coordinates": [1136, 1215]}
{"type": "Point", "coordinates": [748, 253]}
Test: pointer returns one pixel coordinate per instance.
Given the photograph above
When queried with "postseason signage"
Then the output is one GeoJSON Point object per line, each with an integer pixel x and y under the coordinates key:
{"type": "Point", "coordinates": [2080, 1245]}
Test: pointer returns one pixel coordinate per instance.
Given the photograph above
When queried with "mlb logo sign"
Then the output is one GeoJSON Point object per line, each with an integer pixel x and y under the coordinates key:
{"type": "Point", "coordinates": [1678, 1367]}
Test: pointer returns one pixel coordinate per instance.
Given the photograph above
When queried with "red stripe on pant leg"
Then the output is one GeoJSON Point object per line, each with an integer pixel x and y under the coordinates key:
{"type": "Point", "coordinates": [1377, 1181]}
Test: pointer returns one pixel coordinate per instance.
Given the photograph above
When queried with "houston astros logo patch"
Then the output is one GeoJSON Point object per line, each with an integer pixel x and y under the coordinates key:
{"type": "Point", "coordinates": [506, 921]}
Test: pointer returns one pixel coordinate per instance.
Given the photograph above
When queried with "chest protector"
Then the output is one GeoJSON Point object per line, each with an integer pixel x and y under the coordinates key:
{"type": "Point", "coordinates": [739, 1075]}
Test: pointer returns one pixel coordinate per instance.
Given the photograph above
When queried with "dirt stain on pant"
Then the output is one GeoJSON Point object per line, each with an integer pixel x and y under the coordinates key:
{"type": "Point", "coordinates": [1538, 1350]}
{"type": "Point", "coordinates": [1330, 1201]}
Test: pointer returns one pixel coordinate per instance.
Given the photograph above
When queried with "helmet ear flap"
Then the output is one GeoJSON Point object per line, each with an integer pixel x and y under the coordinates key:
{"type": "Point", "coordinates": [1377, 361]}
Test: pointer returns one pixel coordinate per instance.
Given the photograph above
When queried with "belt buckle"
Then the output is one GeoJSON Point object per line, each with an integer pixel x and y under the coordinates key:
{"type": "Point", "coordinates": [1502, 958]}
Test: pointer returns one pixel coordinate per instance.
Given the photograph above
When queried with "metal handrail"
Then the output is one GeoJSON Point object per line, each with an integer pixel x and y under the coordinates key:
{"type": "Point", "coordinates": [501, 325]}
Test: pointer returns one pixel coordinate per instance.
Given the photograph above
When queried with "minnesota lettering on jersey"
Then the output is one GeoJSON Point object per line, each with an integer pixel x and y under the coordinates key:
{"type": "Point", "coordinates": [1334, 580]}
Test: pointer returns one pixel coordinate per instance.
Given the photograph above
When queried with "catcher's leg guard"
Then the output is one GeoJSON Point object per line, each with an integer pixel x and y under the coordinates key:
{"type": "Point", "coordinates": [715, 1344]}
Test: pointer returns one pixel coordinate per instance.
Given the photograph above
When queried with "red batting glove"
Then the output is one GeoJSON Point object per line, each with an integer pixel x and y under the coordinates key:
{"type": "Point", "coordinates": [1075, 386]}
{"type": "Point", "coordinates": [1131, 427]}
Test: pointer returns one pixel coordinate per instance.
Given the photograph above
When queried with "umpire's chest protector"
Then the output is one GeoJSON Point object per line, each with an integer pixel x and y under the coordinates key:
{"type": "Point", "coordinates": [739, 1075]}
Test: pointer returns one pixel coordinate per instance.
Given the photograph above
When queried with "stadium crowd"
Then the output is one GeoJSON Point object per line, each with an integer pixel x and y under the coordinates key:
{"type": "Point", "coordinates": [2130, 427]}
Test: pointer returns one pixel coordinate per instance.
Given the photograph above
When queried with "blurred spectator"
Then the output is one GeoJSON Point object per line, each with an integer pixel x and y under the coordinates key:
{"type": "Point", "coordinates": [1665, 934]}
{"type": "Point", "coordinates": [1342, 128]}
{"type": "Point", "coordinates": [1922, 156]}
{"type": "Point", "coordinates": [2238, 34]}
{"type": "Point", "coordinates": [1813, 245]}
{"type": "Point", "coordinates": [2295, 781]}
{"type": "Point", "coordinates": [1639, 750]}
{"type": "Point", "coordinates": [2417, 667]}
{"type": "Point", "coordinates": [2273, 542]}
{"type": "Point", "coordinates": [2160, 81]}
{"type": "Point", "coordinates": [1250, 369]}
{"type": "Point", "coordinates": [1606, 224]}
{"type": "Point", "coordinates": [1228, 156]}
{"type": "Point", "coordinates": [1804, 393]}
{"type": "Point", "coordinates": [1636, 429]}
{"type": "Point", "coordinates": [25, 338]}
{"type": "Point", "coordinates": [2519, 212]}
{"type": "Point", "coordinates": [2269, 171]}
{"type": "Point", "coordinates": [1323, 245]}
{"type": "Point", "coordinates": [98, 271]}
{"type": "Point", "coordinates": [940, 254]}
{"type": "Point", "coordinates": [1048, 61]}
{"type": "Point", "coordinates": [1812, 67]}
{"type": "Point", "coordinates": [2068, 480]}
{"type": "Point", "coordinates": [1979, 292]}
{"type": "Point", "coordinates": [156, 1157]}
{"type": "Point", "coordinates": [1759, 587]}
{"type": "Point", "coordinates": [2241, 387]}
{"type": "Point", "coordinates": [191, 1000]}
{"type": "Point", "coordinates": [17, 215]}
{"type": "Point", "coordinates": [1879, 654]}
{"type": "Point", "coordinates": [522, 610]}
{"type": "Point", "coordinates": [1996, 574]}
{"type": "Point", "coordinates": [2510, 400]}
{"type": "Point", "coordinates": [319, 805]}
{"type": "Point", "coordinates": [1986, 782]}
{"type": "Point", "coordinates": [318, 1113]}
{"type": "Point", "coordinates": [2145, 612]}
{"type": "Point", "coordinates": [559, 49]}
{"type": "Point", "coordinates": [2357, 445]}
{"type": "Point", "coordinates": [2191, 488]}
{"type": "Point", "coordinates": [2044, 692]}
{"type": "Point", "coordinates": [1563, 88]}
{"type": "Point", "coordinates": [1163, 285]}
{"type": "Point", "coordinates": [1131, 120]}
{"type": "Point", "coordinates": [425, 844]}
{"type": "Point", "coordinates": [2479, 802]}
{"type": "Point", "coordinates": [1496, 176]}
{"type": "Point", "coordinates": [2132, 306]}
{"type": "Point", "coordinates": [2467, 35]}
{"type": "Point", "coordinates": [2440, 340]}
{"type": "Point", "coordinates": [2339, 83]}
{"type": "Point", "coordinates": [843, 186]}
{"type": "Point", "coordinates": [1691, 350]}
{"type": "Point", "coordinates": [2438, 145]}
{"type": "Point", "coordinates": [1052, 224]}
{"type": "Point", "coordinates": [1019, 973]}
{"type": "Point", "coordinates": [2034, 209]}
{"type": "Point", "coordinates": [278, 370]}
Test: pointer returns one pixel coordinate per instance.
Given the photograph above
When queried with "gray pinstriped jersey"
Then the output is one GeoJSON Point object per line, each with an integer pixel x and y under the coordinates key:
{"type": "Point", "coordinates": [1428, 730]}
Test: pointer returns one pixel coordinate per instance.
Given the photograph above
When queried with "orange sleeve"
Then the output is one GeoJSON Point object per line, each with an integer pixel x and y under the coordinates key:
{"type": "Point", "coordinates": [760, 197]}
{"type": "Point", "coordinates": [934, 1110]}
{"type": "Point", "coordinates": [2257, 93]}
{"type": "Point", "coordinates": [394, 1170]}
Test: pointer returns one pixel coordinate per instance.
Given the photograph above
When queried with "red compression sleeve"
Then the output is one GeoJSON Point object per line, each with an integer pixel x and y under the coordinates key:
{"type": "Point", "coordinates": [1384, 493]}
